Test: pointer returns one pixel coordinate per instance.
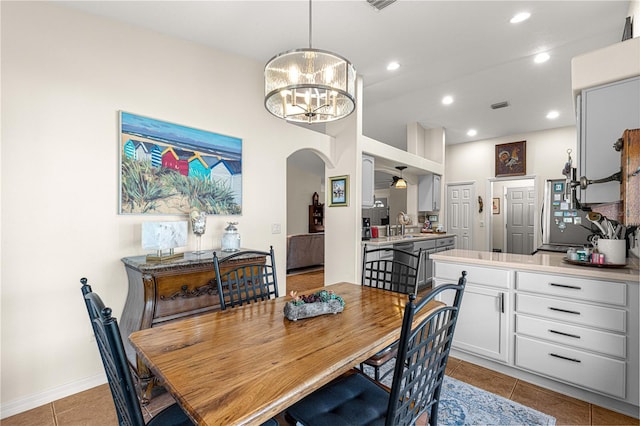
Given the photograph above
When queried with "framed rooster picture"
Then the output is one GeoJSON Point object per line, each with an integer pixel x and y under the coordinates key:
{"type": "Point", "coordinates": [511, 159]}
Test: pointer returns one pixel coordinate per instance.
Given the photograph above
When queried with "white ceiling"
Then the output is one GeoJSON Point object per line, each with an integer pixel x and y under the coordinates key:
{"type": "Point", "coordinates": [467, 49]}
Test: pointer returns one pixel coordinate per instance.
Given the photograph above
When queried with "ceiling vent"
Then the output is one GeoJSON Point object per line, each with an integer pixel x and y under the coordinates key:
{"type": "Point", "coordinates": [499, 105]}
{"type": "Point", "coordinates": [380, 4]}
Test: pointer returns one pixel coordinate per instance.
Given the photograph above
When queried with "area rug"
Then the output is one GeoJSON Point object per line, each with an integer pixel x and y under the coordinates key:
{"type": "Point", "coordinates": [463, 404]}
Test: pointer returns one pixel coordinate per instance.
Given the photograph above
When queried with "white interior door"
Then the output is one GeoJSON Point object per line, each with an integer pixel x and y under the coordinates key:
{"type": "Point", "coordinates": [459, 208]}
{"type": "Point", "coordinates": [520, 220]}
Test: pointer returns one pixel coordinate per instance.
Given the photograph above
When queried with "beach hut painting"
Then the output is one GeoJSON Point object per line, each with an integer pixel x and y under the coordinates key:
{"type": "Point", "coordinates": [172, 169]}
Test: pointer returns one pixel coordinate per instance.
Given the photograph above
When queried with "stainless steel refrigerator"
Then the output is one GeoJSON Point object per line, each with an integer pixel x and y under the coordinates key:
{"type": "Point", "coordinates": [562, 226]}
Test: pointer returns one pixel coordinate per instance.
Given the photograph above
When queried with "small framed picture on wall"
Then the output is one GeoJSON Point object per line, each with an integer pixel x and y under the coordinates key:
{"type": "Point", "coordinates": [495, 205]}
{"type": "Point", "coordinates": [339, 191]}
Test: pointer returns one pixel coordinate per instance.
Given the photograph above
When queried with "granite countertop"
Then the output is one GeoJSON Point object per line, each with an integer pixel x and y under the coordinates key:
{"type": "Point", "coordinates": [406, 238]}
{"type": "Point", "coordinates": [540, 262]}
{"type": "Point", "coordinates": [189, 259]}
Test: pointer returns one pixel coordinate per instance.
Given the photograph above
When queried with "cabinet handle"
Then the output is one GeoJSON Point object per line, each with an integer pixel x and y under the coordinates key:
{"type": "Point", "coordinates": [572, 287]}
{"type": "Point", "coordinates": [564, 334]}
{"type": "Point", "coordinates": [566, 311]}
{"type": "Point", "coordinates": [502, 303]}
{"type": "Point", "coordinates": [566, 358]}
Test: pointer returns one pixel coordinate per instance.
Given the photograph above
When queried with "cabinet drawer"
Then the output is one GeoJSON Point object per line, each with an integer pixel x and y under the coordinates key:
{"type": "Point", "coordinates": [573, 312]}
{"type": "Point", "coordinates": [449, 241]}
{"type": "Point", "coordinates": [424, 245]}
{"type": "Point", "coordinates": [186, 294]}
{"type": "Point", "coordinates": [475, 274]}
{"type": "Point", "coordinates": [580, 337]}
{"type": "Point", "coordinates": [576, 288]}
{"type": "Point", "coordinates": [591, 371]}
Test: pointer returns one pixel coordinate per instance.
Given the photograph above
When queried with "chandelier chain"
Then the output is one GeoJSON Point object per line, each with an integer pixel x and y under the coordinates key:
{"type": "Point", "coordinates": [310, 23]}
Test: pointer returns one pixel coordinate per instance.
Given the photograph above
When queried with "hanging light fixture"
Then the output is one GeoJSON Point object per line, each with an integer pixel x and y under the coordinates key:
{"type": "Point", "coordinates": [400, 183]}
{"type": "Point", "coordinates": [309, 85]}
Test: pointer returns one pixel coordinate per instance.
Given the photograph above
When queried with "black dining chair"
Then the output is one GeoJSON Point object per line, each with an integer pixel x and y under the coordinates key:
{"type": "Point", "coordinates": [423, 350]}
{"type": "Point", "coordinates": [125, 398]}
{"type": "Point", "coordinates": [391, 269]}
{"type": "Point", "coordinates": [245, 276]}
{"type": "Point", "coordinates": [394, 270]}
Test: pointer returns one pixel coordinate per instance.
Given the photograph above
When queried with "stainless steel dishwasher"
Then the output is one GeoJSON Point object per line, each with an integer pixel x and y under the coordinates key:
{"type": "Point", "coordinates": [400, 258]}
{"type": "Point", "coordinates": [426, 264]}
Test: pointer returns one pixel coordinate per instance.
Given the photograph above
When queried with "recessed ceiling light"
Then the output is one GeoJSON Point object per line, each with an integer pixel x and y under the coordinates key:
{"type": "Point", "coordinates": [472, 132]}
{"type": "Point", "coordinates": [393, 66]}
{"type": "Point", "coordinates": [519, 17]}
{"type": "Point", "coordinates": [447, 100]}
{"type": "Point", "coordinates": [541, 57]}
{"type": "Point", "coordinates": [552, 115]}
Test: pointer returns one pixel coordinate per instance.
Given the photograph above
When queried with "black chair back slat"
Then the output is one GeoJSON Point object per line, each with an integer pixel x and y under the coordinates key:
{"type": "Point", "coordinates": [394, 270]}
{"type": "Point", "coordinates": [109, 340]}
{"type": "Point", "coordinates": [421, 362]}
{"type": "Point", "coordinates": [248, 282]}
{"type": "Point", "coordinates": [116, 366]}
{"type": "Point", "coordinates": [391, 269]}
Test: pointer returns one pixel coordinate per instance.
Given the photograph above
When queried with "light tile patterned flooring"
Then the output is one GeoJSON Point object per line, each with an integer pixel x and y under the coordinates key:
{"type": "Point", "coordinates": [95, 406]}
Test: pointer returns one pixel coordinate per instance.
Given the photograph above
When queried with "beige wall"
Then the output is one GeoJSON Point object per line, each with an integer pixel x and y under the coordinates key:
{"type": "Point", "coordinates": [65, 75]}
{"type": "Point", "coordinates": [474, 162]}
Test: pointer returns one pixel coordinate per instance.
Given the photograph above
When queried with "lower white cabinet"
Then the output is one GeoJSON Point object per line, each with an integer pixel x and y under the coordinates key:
{"type": "Point", "coordinates": [573, 329]}
{"type": "Point", "coordinates": [482, 326]}
{"type": "Point", "coordinates": [580, 333]}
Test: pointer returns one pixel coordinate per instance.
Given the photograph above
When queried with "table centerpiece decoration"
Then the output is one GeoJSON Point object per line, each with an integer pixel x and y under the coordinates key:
{"type": "Point", "coordinates": [306, 306]}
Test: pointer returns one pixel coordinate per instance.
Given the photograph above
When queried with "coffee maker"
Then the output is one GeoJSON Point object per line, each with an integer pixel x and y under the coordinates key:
{"type": "Point", "coordinates": [366, 228]}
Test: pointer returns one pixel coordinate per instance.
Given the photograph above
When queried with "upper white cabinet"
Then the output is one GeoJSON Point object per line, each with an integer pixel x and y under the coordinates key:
{"type": "Point", "coordinates": [429, 193]}
{"type": "Point", "coordinates": [368, 184]}
{"type": "Point", "coordinates": [605, 113]}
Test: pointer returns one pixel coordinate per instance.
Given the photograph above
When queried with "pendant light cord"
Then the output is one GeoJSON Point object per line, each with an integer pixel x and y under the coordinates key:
{"type": "Point", "coordinates": [309, 24]}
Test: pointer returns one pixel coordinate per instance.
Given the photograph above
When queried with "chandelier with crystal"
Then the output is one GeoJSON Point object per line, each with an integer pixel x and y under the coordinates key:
{"type": "Point", "coordinates": [309, 85]}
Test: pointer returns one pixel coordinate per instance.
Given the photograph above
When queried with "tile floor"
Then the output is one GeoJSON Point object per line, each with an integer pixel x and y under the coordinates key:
{"type": "Point", "coordinates": [95, 406]}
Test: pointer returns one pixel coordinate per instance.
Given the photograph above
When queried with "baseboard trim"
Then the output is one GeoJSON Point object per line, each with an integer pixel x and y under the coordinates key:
{"type": "Point", "coordinates": [33, 401]}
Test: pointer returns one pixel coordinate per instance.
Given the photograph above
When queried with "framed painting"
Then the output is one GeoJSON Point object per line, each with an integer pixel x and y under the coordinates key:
{"type": "Point", "coordinates": [168, 168]}
{"type": "Point", "coordinates": [511, 159]}
{"type": "Point", "coordinates": [339, 191]}
{"type": "Point", "coordinates": [495, 205]}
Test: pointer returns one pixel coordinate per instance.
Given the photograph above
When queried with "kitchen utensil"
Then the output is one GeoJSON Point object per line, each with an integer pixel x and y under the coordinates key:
{"type": "Point", "coordinates": [595, 218]}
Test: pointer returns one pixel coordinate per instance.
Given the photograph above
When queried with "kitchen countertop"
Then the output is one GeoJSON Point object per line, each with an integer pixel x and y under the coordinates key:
{"type": "Point", "coordinates": [540, 262]}
{"type": "Point", "coordinates": [407, 238]}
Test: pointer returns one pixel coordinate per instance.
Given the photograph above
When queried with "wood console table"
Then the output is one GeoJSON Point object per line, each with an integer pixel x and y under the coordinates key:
{"type": "Point", "coordinates": [160, 292]}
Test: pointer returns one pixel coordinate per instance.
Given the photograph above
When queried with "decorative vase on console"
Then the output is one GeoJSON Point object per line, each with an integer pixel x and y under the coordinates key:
{"type": "Point", "coordinates": [231, 238]}
{"type": "Point", "coordinates": [198, 226]}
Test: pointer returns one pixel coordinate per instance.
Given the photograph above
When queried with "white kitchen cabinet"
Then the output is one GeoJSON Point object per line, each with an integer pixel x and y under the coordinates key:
{"type": "Point", "coordinates": [577, 331]}
{"type": "Point", "coordinates": [562, 328]}
{"type": "Point", "coordinates": [605, 112]}
{"type": "Point", "coordinates": [482, 327]}
{"type": "Point", "coordinates": [429, 193]}
{"type": "Point", "coordinates": [368, 183]}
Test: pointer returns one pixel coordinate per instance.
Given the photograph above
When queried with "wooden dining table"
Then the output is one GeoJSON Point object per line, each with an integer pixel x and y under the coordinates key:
{"type": "Point", "coordinates": [243, 365]}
